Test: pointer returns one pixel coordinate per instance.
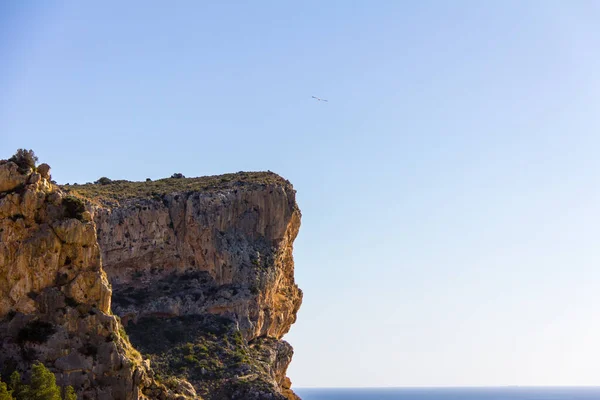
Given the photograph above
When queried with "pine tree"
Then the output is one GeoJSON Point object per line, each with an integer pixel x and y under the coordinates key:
{"type": "Point", "coordinates": [69, 393]}
{"type": "Point", "coordinates": [25, 159]}
{"type": "Point", "coordinates": [19, 391]}
{"type": "Point", "coordinates": [43, 384]}
{"type": "Point", "coordinates": [5, 394]}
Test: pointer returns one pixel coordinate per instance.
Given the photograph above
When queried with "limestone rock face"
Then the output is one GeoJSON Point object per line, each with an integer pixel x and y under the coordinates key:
{"type": "Point", "coordinates": [225, 251]}
{"type": "Point", "coordinates": [197, 271]}
{"type": "Point", "coordinates": [41, 249]}
{"type": "Point", "coordinates": [240, 238]}
{"type": "Point", "coordinates": [55, 297]}
{"type": "Point", "coordinates": [10, 177]}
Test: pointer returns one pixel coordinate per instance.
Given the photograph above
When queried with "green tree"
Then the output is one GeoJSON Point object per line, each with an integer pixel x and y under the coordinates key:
{"type": "Point", "coordinates": [5, 394]}
{"type": "Point", "coordinates": [43, 384]}
{"type": "Point", "coordinates": [69, 393]}
{"type": "Point", "coordinates": [103, 181]}
{"type": "Point", "coordinates": [19, 391]}
{"type": "Point", "coordinates": [25, 159]}
{"type": "Point", "coordinates": [74, 207]}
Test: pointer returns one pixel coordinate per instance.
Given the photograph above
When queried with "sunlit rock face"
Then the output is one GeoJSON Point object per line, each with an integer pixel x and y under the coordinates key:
{"type": "Point", "coordinates": [55, 297]}
{"type": "Point", "coordinates": [199, 272]}
{"type": "Point", "coordinates": [224, 250]}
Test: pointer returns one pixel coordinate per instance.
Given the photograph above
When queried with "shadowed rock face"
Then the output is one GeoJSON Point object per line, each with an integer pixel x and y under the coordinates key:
{"type": "Point", "coordinates": [225, 251]}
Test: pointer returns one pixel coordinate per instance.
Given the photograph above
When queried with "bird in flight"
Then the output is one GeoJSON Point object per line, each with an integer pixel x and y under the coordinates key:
{"type": "Point", "coordinates": [319, 99]}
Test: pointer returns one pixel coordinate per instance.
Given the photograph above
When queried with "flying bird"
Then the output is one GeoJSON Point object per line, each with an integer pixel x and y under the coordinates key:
{"type": "Point", "coordinates": [319, 99]}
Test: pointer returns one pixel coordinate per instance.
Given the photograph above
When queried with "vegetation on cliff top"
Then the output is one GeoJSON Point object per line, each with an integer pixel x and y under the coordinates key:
{"type": "Point", "coordinates": [25, 159]}
{"type": "Point", "coordinates": [106, 189]}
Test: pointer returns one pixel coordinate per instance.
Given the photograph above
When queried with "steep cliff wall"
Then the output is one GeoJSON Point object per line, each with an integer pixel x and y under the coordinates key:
{"type": "Point", "coordinates": [55, 298]}
{"type": "Point", "coordinates": [205, 254]}
{"type": "Point", "coordinates": [197, 272]}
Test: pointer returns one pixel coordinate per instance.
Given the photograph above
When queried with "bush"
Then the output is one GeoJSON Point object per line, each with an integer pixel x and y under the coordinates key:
{"type": "Point", "coordinates": [43, 386]}
{"type": "Point", "coordinates": [36, 332]}
{"type": "Point", "coordinates": [103, 181]}
{"type": "Point", "coordinates": [70, 393]}
{"type": "Point", "coordinates": [16, 386]}
{"type": "Point", "coordinates": [4, 393]}
{"type": "Point", "coordinates": [25, 159]}
{"type": "Point", "coordinates": [177, 176]}
{"type": "Point", "coordinates": [74, 207]}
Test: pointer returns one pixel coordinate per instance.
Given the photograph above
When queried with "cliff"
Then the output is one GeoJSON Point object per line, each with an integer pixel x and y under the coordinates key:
{"type": "Point", "coordinates": [199, 272]}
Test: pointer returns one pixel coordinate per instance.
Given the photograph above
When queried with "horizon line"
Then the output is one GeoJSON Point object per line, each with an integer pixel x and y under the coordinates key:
{"type": "Point", "coordinates": [451, 387]}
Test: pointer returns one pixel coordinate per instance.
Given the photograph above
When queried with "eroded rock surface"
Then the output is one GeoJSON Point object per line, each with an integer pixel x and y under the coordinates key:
{"type": "Point", "coordinates": [224, 250]}
{"type": "Point", "coordinates": [55, 298]}
{"type": "Point", "coordinates": [199, 272]}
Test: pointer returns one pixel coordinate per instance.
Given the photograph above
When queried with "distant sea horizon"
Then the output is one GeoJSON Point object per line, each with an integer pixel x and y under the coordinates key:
{"type": "Point", "coordinates": [453, 393]}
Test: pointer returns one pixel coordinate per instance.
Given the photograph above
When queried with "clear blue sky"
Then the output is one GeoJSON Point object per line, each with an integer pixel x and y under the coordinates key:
{"type": "Point", "coordinates": [449, 189]}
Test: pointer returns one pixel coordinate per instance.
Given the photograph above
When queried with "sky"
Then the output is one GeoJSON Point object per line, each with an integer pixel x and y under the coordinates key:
{"type": "Point", "coordinates": [449, 188]}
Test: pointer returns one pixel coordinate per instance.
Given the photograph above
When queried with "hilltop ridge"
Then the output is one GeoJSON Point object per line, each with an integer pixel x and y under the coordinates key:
{"type": "Point", "coordinates": [107, 191]}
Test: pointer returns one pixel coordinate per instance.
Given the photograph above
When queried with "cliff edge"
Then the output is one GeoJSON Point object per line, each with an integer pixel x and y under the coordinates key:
{"type": "Point", "coordinates": [171, 289]}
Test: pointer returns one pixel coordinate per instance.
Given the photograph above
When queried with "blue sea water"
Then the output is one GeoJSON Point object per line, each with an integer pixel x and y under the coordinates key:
{"type": "Point", "coordinates": [506, 393]}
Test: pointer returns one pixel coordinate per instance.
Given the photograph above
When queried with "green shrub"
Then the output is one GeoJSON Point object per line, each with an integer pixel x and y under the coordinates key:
{"type": "Point", "coordinates": [17, 388]}
{"type": "Point", "coordinates": [156, 189]}
{"type": "Point", "coordinates": [103, 181]}
{"type": "Point", "coordinates": [177, 176]}
{"type": "Point", "coordinates": [69, 393]}
{"type": "Point", "coordinates": [43, 386]}
{"type": "Point", "coordinates": [4, 393]}
{"type": "Point", "coordinates": [74, 207]}
{"type": "Point", "coordinates": [25, 159]}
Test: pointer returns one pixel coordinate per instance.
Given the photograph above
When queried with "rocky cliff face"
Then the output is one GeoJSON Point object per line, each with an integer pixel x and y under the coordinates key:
{"type": "Point", "coordinates": [211, 250]}
{"type": "Point", "coordinates": [238, 239]}
{"type": "Point", "coordinates": [202, 279]}
{"type": "Point", "coordinates": [55, 298]}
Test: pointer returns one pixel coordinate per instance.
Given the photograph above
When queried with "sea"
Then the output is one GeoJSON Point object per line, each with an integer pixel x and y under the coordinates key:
{"type": "Point", "coordinates": [504, 393]}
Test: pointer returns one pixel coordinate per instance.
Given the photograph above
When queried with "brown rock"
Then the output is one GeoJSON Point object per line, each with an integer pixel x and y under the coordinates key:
{"type": "Point", "coordinates": [55, 297]}
{"type": "Point", "coordinates": [86, 216]}
{"type": "Point", "coordinates": [225, 251]}
{"type": "Point", "coordinates": [240, 238]}
{"type": "Point", "coordinates": [44, 170]}
{"type": "Point", "coordinates": [10, 177]}
{"type": "Point", "coordinates": [34, 178]}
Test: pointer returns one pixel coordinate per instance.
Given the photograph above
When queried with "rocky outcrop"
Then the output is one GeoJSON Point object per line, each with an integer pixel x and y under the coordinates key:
{"type": "Point", "coordinates": [197, 272]}
{"type": "Point", "coordinates": [10, 177]}
{"type": "Point", "coordinates": [55, 298]}
{"type": "Point", "coordinates": [223, 251]}
{"type": "Point", "coordinates": [241, 238]}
